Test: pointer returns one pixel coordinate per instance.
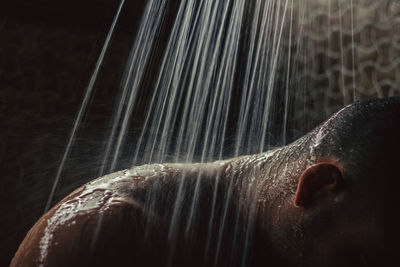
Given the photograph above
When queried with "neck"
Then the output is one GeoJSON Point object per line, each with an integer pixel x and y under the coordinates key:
{"type": "Point", "coordinates": [270, 178]}
{"type": "Point", "coordinates": [264, 186]}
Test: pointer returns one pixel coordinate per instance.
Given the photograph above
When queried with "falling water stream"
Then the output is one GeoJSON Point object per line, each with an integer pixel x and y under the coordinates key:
{"type": "Point", "coordinates": [83, 107]}
{"type": "Point", "coordinates": [226, 83]}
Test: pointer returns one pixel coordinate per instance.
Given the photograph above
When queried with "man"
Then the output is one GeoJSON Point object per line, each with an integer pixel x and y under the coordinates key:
{"type": "Point", "coordinates": [328, 199]}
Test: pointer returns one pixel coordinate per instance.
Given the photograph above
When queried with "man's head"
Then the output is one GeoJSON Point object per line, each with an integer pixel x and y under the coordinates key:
{"type": "Point", "coordinates": [343, 210]}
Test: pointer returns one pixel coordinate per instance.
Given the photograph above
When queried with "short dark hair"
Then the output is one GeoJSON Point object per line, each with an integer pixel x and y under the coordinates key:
{"type": "Point", "coordinates": [362, 134]}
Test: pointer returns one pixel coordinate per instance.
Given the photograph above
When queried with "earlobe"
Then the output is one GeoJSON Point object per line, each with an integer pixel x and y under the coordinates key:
{"type": "Point", "coordinates": [317, 180]}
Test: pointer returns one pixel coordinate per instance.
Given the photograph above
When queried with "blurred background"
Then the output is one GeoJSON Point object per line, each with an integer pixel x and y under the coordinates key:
{"type": "Point", "coordinates": [342, 51]}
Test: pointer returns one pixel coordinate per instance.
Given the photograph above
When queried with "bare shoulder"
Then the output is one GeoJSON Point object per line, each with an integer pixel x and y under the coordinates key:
{"type": "Point", "coordinates": [98, 217]}
{"type": "Point", "coordinates": [109, 219]}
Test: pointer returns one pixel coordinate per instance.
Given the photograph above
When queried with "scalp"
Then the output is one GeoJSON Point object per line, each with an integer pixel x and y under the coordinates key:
{"type": "Point", "coordinates": [364, 137]}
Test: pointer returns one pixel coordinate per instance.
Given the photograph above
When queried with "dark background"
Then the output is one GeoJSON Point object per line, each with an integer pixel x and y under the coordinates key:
{"type": "Point", "coordinates": [48, 50]}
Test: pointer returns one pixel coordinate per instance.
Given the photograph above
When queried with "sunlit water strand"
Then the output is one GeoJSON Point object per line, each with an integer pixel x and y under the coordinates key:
{"type": "Point", "coordinates": [82, 109]}
{"type": "Point", "coordinates": [287, 83]}
{"type": "Point", "coordinates": [345, 98]}
{"type": "Point", "coordinates": [136, 66]}
{"type": "Point", "coordinates": [352, 7]}
{"type": "Point", "coordinates": [137, 57]}
{"type": "Point", "coordinates": [271, 78]}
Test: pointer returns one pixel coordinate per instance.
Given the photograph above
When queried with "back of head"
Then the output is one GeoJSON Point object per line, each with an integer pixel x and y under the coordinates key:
{"type": "Point", "coordinates": [365, 139]}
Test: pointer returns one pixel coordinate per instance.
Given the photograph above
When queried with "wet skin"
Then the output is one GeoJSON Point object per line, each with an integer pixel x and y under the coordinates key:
{"type": "Point", "coordinates": [328, 199]}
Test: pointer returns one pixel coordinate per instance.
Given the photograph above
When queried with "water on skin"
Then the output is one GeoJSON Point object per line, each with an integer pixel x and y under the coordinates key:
{"type": "Point", "coordinates": [212, 46]}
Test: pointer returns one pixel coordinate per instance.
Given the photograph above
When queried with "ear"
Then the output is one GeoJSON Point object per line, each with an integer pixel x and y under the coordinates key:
{"type": "Point", "coordinates": [316, 182]}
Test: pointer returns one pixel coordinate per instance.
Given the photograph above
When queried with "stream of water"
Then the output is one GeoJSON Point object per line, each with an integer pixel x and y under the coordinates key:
{"type": "Point", "coordinates": [226, 82]}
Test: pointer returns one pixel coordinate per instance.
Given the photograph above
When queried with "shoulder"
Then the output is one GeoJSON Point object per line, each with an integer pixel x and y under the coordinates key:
{"type": "Point", "coordinates": [109, 207]}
